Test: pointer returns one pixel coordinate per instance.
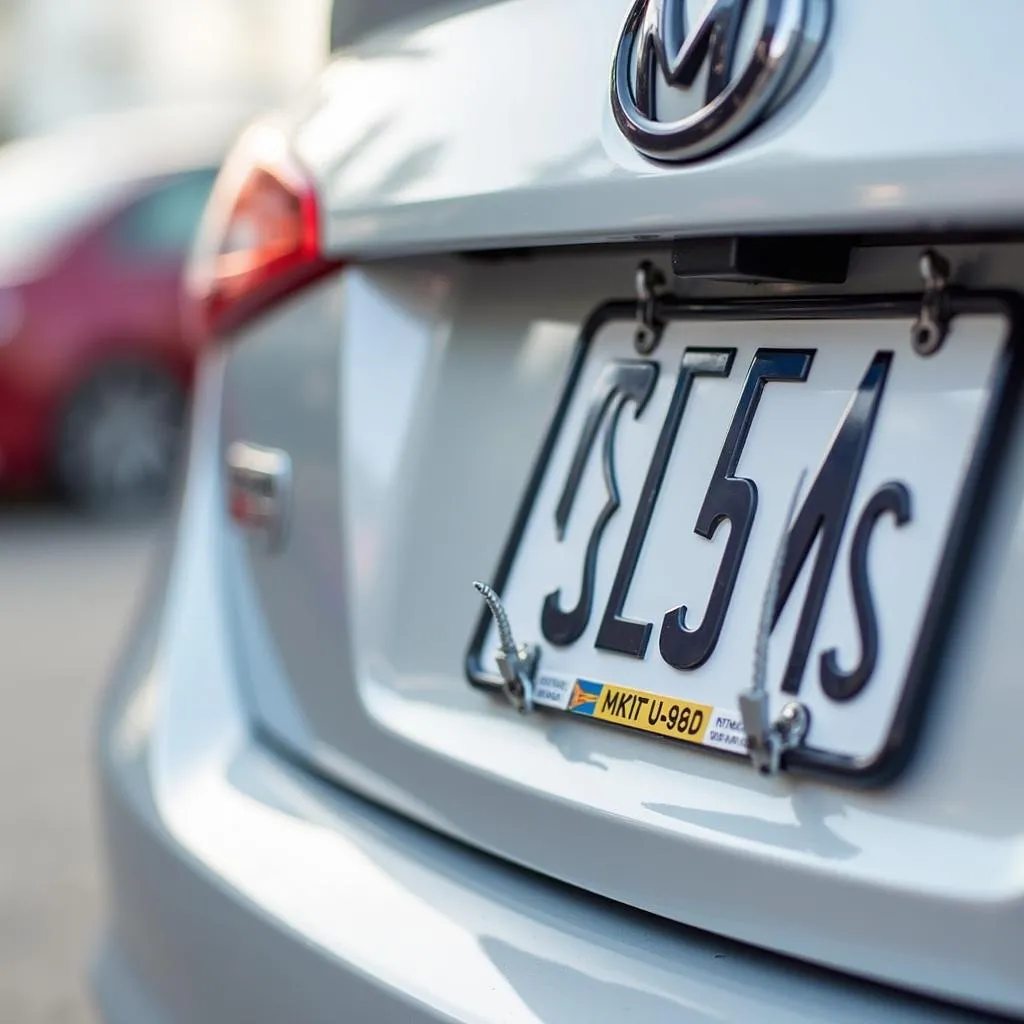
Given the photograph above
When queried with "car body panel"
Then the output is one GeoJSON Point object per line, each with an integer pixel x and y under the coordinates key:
{"type": "Point", "coordinates": [410, 158]}
{"type": "Point", "coordinates": [411, 392]}
{"type": "Point", "coordinates": [243, 888]}
{"type": "Point", "coordinates": [365, 616]}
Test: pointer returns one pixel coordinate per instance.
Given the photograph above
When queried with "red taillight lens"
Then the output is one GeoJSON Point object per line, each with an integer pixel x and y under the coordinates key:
{"type": "Point", "coordinates": [260, 235]}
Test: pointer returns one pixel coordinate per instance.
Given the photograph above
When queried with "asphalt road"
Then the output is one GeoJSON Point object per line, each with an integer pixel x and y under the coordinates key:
{"type": "Point", "coordinates": [67, 592]}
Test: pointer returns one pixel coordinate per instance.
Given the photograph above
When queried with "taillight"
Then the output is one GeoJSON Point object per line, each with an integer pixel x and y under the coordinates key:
{"type": "Point", "coordinates": [259, 238]}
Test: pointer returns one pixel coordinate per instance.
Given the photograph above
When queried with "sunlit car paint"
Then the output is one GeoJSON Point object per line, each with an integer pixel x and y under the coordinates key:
{"type": "Point", "coordinates": [411, 395]}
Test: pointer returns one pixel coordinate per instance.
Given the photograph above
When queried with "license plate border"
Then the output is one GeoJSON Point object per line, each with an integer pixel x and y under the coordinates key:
{"type": "Point", "coordinates": [969, 516]}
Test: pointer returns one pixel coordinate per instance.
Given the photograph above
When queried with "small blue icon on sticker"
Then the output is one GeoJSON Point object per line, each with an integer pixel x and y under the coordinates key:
{"type": "Point", "coordinates": [584, 696]}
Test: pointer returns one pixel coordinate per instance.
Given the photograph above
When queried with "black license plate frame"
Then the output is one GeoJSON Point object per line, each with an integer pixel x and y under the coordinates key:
{"type": "Point", "coordinates": [969, 516]}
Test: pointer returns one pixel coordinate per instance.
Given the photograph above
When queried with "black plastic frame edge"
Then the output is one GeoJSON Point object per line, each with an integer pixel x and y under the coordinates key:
{"type": "Point", "coordinates": [968, 517]}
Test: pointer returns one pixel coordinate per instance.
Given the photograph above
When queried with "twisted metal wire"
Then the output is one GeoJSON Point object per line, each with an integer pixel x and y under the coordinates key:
{"type": "Point", "coordinates": [505, 637]}
{"type": "Point", "coordinates": [764, 627]}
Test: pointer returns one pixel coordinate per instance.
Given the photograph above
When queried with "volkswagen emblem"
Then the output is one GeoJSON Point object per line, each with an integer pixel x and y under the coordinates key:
{"type": "Point", "coordinates": [692, 77]}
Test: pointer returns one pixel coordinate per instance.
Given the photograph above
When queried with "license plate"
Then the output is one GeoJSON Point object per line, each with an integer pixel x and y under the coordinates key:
{"type": "Point", "coordinates": [639, 558]}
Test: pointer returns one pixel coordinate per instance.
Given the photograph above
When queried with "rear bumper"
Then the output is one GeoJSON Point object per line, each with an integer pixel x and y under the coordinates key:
{"type": "Point", "coordinates": [281, 898]}
{"type": "Point", "coordinates": [243, 888]}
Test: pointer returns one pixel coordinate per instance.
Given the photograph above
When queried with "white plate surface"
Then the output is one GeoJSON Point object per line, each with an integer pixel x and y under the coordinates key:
{"type": "Point", "coordinates": [925, 435]}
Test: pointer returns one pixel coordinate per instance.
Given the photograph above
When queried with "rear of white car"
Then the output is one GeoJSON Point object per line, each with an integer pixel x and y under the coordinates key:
{"type": "Point", "coordinates": [691, 333]}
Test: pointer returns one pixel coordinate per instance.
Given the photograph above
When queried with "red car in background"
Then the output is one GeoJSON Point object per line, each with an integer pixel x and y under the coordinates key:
{"type": "Point", "coordinates": [95, 366]}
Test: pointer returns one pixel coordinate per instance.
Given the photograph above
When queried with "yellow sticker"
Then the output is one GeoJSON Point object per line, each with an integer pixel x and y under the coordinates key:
{"type": "Point", "coordinates": [666, 716]}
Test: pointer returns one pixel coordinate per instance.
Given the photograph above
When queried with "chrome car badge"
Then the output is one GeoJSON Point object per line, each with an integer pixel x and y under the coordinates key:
{"type": "Point", "coordinates": [682, 89]}
{"type": "Point", "coordinates": [259, 490]}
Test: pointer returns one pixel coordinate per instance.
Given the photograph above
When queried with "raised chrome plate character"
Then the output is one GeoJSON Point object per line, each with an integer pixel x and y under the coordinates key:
{"type": "Point", "coordinates": [644, 546]}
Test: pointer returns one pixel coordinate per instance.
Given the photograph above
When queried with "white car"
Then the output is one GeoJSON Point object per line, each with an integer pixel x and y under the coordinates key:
{"type": "Point", "coordinates": [596, 590]}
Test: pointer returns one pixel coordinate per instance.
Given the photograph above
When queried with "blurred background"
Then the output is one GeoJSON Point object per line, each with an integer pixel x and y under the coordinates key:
{"type": "Point", "coordinates": [67, 59]}
{"type": "Point", "coordinates": [113, 117]}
